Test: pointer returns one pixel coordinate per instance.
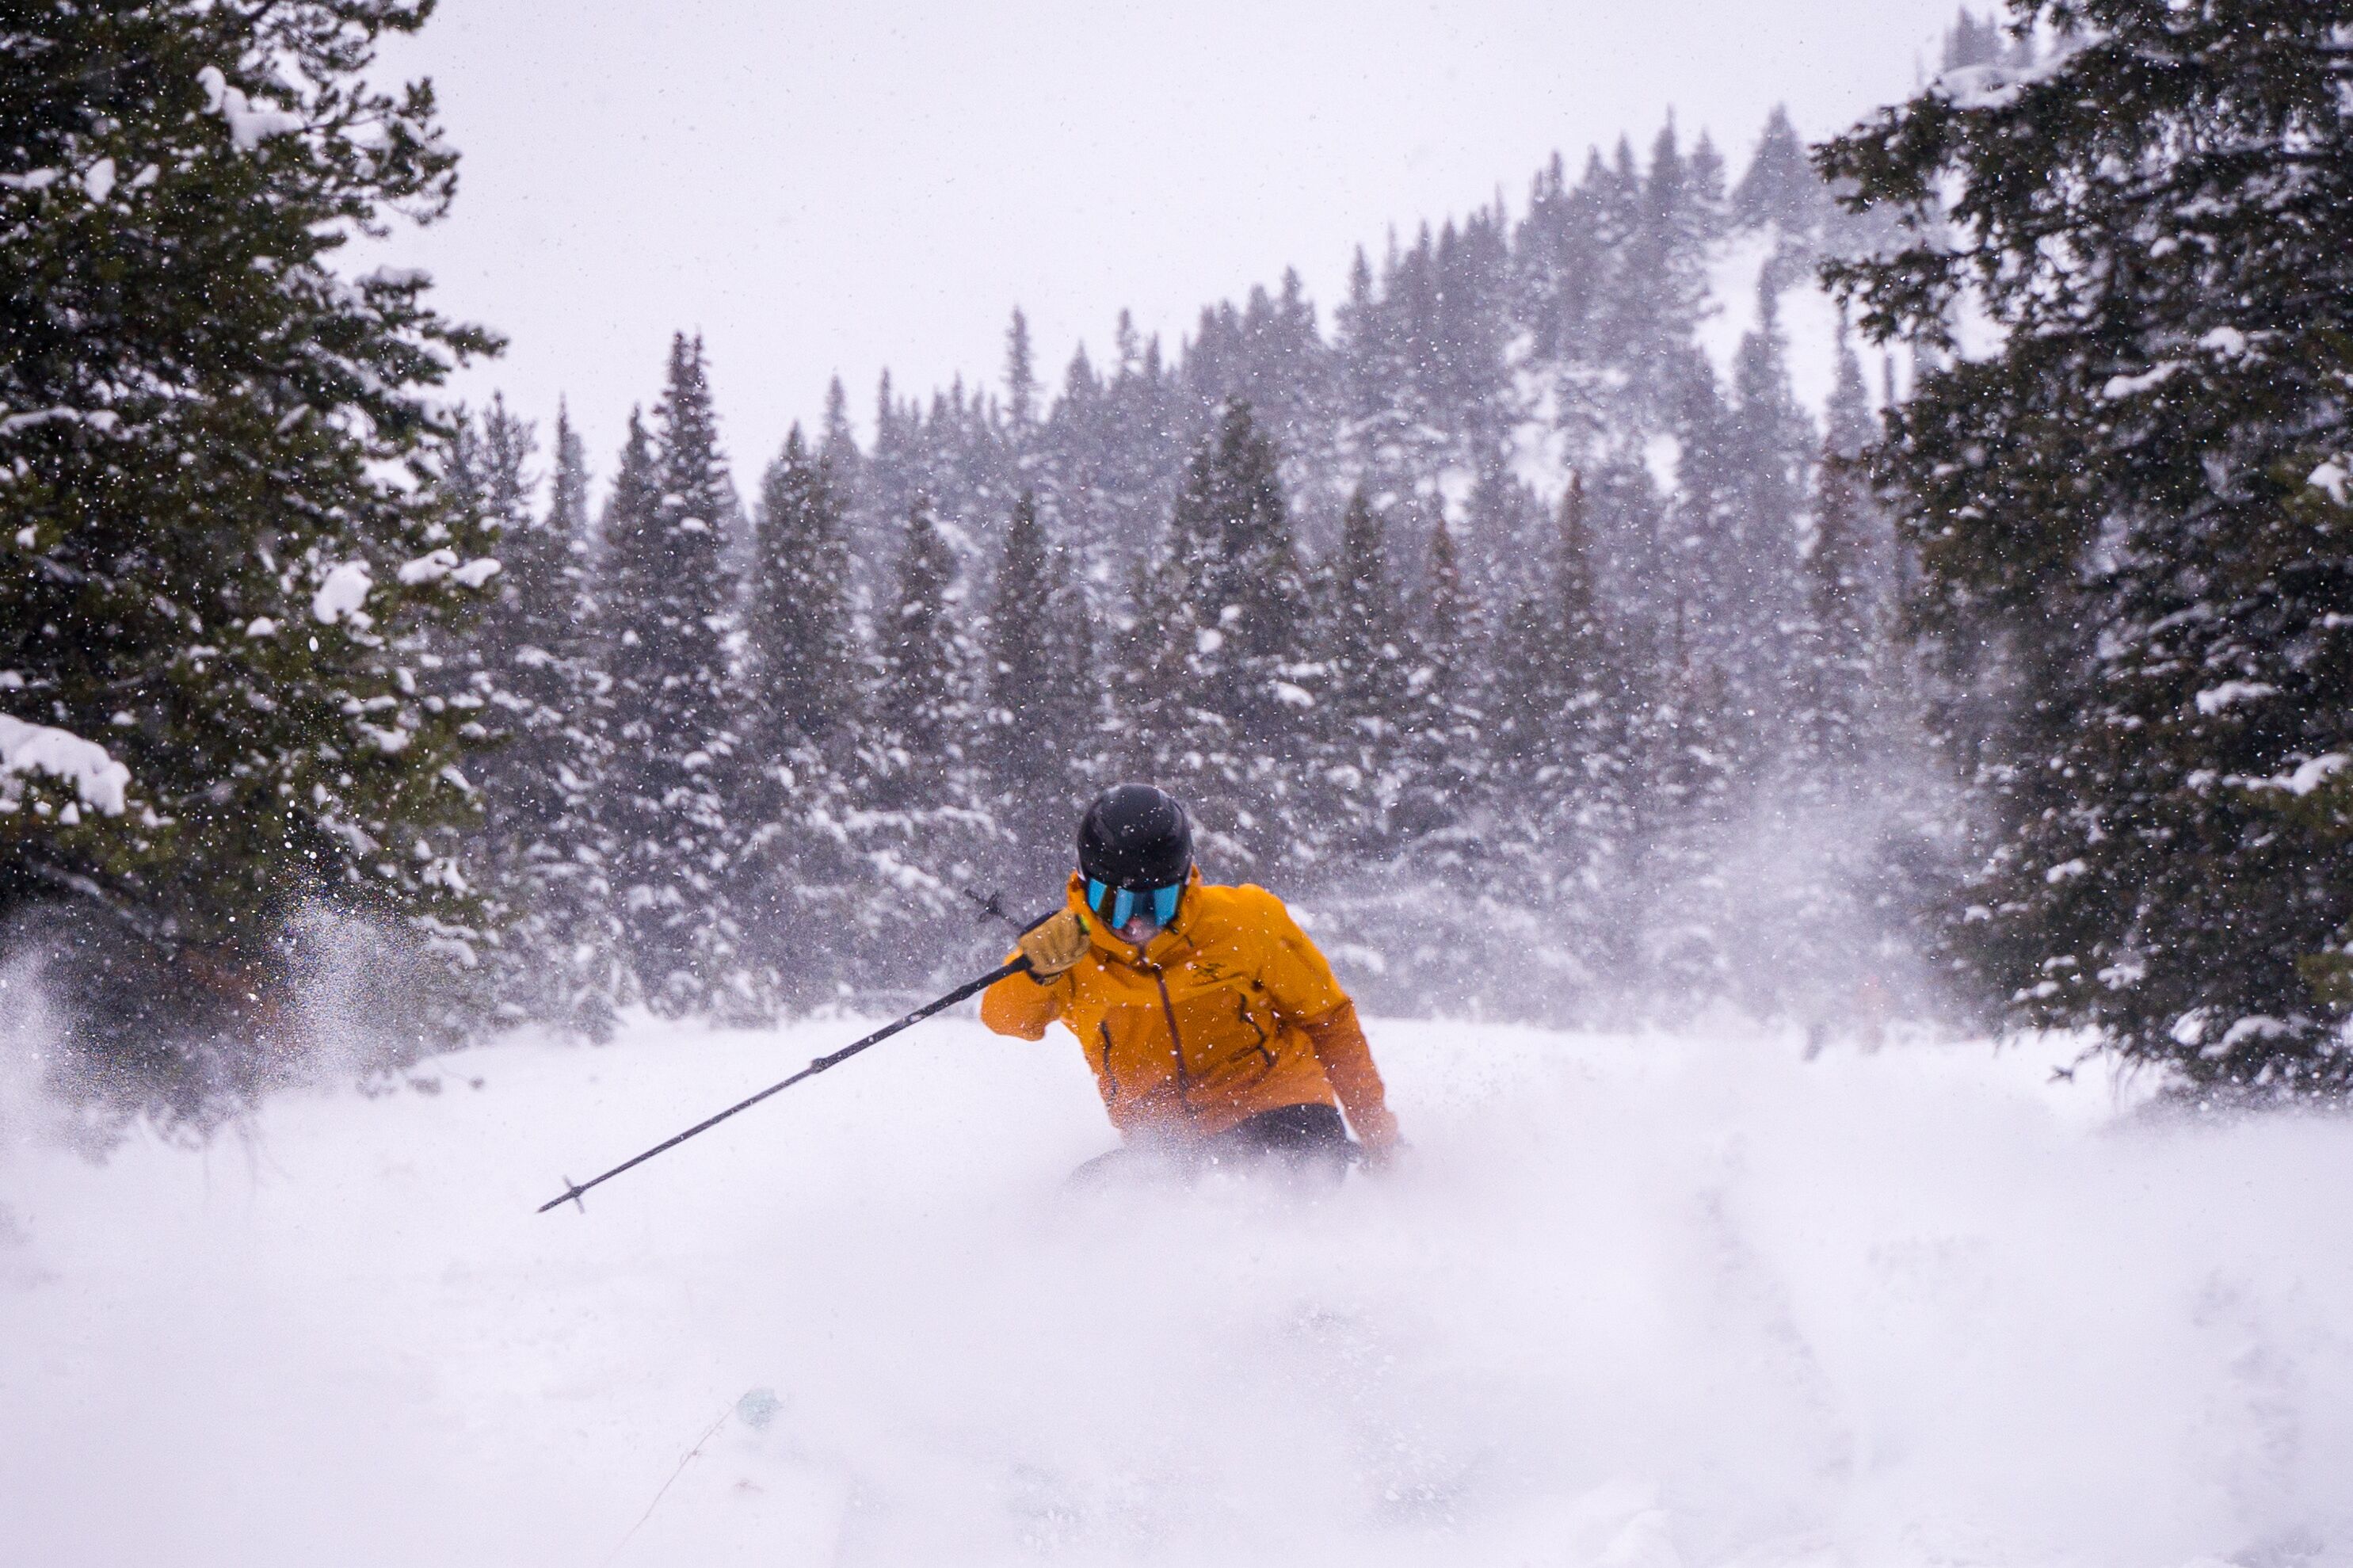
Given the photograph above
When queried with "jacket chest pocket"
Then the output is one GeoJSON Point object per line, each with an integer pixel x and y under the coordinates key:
{"type": "Point", "coordinates": [1131, 1054]}
{"type": "Point", "coordinates": [1228, 1032]}
{"type": "Point", "coordinates": [1183, 1038]}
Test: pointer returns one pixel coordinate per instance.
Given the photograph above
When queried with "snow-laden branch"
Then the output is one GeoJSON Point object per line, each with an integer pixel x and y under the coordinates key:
{"type": "Point", "coordinates": [99, 781]}
{"type": "Point", "coordinates": [444, 563]}
{"type": "Point", "coordinates": [249, 127]}
{"type": "Point", "coordinates": [104, 420]}
{"type": "Point", "coordinates": [341, 592]}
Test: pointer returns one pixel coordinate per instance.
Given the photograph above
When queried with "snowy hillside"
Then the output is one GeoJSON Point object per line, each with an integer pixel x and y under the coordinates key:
{"type": "Point", "coordinates": [1637, 1302]}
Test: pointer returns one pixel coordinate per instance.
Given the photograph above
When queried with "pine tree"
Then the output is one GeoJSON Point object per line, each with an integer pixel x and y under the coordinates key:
{"type": "Point", "coordinates": [799, 618]}
{"type": "Point", "coordinates": [1780, 188]}
{"type": "Point", "coordinates": [583, 921]}
{"type": "Point", "coordinates": [1736, 529]}
{"type": "Point", "coordinates": [1367, 662]}
{"type": "Point", "coordinates": [675, 771]}
{"type": "Point", "coordinates": [533, 674]}
{"type": "Point", "coordinates": [208, 563]}
{"type": "Point", "coordinates": [1838, 673]}
{"type": "Point", "coordinates": [1445, 743]}
{"type": "Point", "coordinates": [918, 703]}
{"type": "Point", "coordinates": [924, 833]}
{"type": "Point", "coordinates": [1245, 617]}
{"type": "Point", "coordinates": [837, 443]}
{"type": "Point", "coordinates": [1558, 721]}
{"type": "Point", "coordinates": [1775, 445]}
{"type": "Point", "coordinates": [1972, 40]}
{"type": "Point", "coordinates": [1020, 662]}
{"type": "Point", "coordinates": [1684, 800]}
{"type": "Point", "coordinates": [1551, 661]}
{"type": "Point", "coordinates": [1153, 640]}
{"type": "Point", "coordinates": [796, 880]}
{"type": "Point", "coordinates": [2132, 509]}
{"type": "Point", "coordinates": [1020, 375]}
{"type": "Point", "coordinates": [1039, 712]}
{"type": "Point", "coordinates": [1385, 439]}
{"type": "Point", "coordinates": [1656, 288]}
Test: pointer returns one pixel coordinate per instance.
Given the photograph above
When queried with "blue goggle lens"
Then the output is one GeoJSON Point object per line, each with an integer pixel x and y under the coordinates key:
{"type": "Point", "coordinates": [1117, 904]}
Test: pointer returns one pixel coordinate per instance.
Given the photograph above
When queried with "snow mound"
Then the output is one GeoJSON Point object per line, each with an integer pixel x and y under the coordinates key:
{"type": "Point", "coordinates": [1634, 1302]}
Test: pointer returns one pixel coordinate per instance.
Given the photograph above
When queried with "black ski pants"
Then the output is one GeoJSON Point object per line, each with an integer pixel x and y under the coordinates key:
{"type": "Point", "coordinates": [1308, 1141]}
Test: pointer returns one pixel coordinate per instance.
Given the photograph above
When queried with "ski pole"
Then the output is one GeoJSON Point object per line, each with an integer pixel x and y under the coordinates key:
{"type": "Point", "coordinates": [574, 1190]}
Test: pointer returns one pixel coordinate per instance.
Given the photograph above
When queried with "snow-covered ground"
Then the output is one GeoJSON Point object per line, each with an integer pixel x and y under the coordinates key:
{"type": "Point", "coordinates": [1635, 1302]}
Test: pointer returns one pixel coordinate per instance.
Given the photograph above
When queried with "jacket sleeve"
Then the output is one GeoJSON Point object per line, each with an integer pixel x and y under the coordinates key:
{"type": "Point", "coordinates": [1020, 1005]}
{"type": "Point", "coordinates": [1306, 993]}
{"type": "Point", "coordinates": [1348, 1058]}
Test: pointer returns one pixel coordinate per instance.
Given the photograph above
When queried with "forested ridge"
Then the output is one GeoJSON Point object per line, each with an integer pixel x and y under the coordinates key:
{"type": "Point", "coordinates": [1580, 620]}
{"type": "Point", "coordinates": [1487, 622]}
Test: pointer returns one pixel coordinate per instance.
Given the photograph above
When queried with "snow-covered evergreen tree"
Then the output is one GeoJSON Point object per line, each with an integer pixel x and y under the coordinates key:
{"type": "Point", "coordinates": [926, 837]}
{"type": "Point", "coordinates": [920, 702]}
{"type": "Point", "coordinates": [1041, 713]}
{"type": "Point", "coordinates": [668, 603]}
{"type": "Point", "coordinates": [803, 644]}
{"type": "Point", "coordinates": [1840, 655]}
{"type": "Point", "coordinates": [534, 671]}
{"type": "Point", "coordinates": [1779, 187]}
{"type": "Point", "coordinates": [1558, 726]}
{"type": "Point", "coordinates": [2131, 517]}
{"type": "Point", "coordinates": [1237, 617]}
{"type": "Point", "coordinates": [209, 566]}
{"type": "Point", "coordinates": [1445, 743]}
{"type": "Point", "coordinates": [798, 879]}
{"type": "Point", "coordinates": [1471, 368]}
{"type": "Point", "coordinates": [1369, 703]}
{"type": "Point", "coordinates": [1020, 375]}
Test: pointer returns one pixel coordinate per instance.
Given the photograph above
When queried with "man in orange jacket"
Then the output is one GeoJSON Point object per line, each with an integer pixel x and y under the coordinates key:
{"type": "Point", "coordinates": [1214, 1027]}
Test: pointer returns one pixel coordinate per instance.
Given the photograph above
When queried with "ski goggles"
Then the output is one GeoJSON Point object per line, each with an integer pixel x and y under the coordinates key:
{"type": "Point", "coordinates": [1117, 905]}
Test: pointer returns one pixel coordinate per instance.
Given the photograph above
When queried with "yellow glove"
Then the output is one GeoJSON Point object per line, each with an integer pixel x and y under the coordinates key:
{"type": "Point", "coordinates": [1053, 946]}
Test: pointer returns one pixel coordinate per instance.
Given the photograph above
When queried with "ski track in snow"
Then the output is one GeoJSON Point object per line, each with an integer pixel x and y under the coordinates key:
{"type": "Point", "coordinates": [1639, 1302]}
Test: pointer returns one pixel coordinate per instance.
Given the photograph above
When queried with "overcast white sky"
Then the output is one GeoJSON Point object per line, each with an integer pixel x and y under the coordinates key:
{"type": "Point", "coordinates": [834, 187]}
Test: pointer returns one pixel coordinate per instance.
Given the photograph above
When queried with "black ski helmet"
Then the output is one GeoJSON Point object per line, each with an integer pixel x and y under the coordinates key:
{"type": "Point", "coordinates": [1135, 837]}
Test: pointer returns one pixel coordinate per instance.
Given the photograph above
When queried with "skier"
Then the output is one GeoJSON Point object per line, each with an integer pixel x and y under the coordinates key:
{"type": "Point", "coordinates": [1215, 1028]}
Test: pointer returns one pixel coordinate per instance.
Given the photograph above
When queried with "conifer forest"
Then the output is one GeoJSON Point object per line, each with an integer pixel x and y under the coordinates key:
{"type": "Point", "coordinates": [1902, 578]}
{"type": "Point", "coordinates": [1645, 859]}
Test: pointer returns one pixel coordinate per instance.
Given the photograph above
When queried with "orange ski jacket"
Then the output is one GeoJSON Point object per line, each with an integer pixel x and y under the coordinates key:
{"type": "Point", "coordinates": [1227, 1012]}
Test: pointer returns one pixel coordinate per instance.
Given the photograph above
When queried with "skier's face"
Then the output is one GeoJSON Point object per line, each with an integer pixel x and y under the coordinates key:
{"type": "Point", "coordinates": [1134, 916]}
